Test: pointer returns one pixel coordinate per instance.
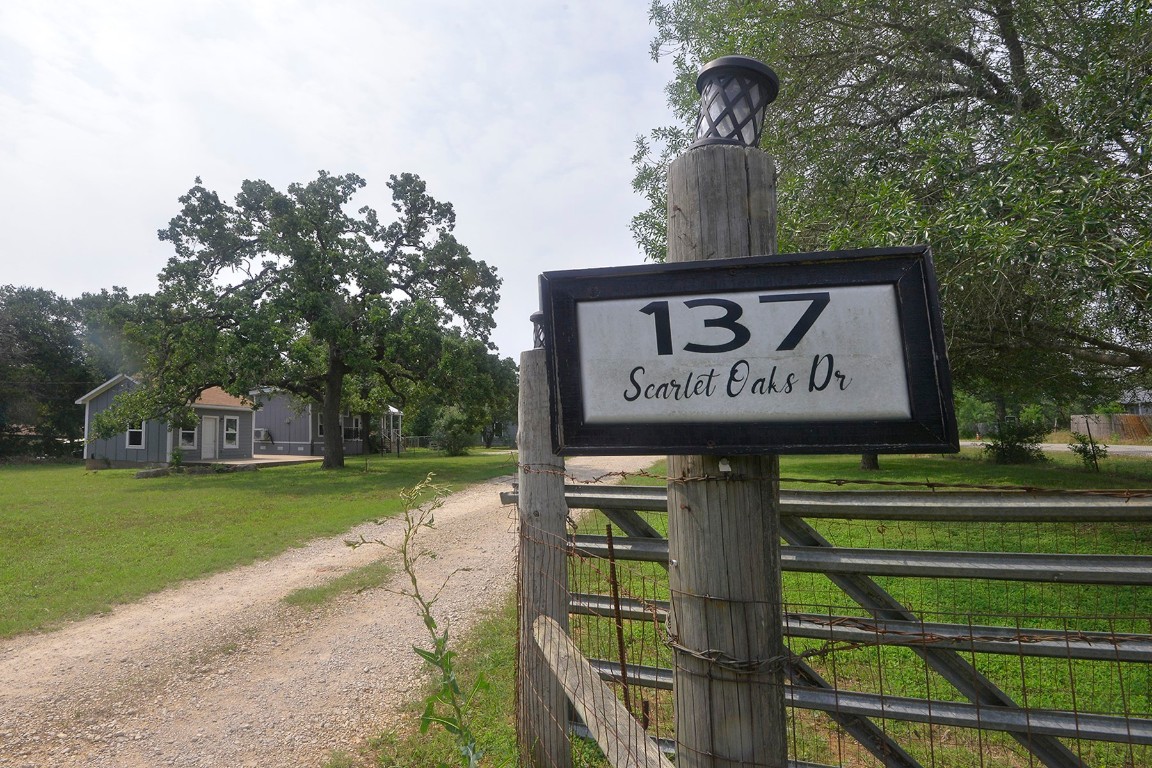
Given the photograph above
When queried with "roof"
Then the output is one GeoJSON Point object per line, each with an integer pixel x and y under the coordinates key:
{"type": "Point", "coordinates": [218, 398]}
{"type": "Point", "coordinates": [112, 382]}
{"type": "Point", "coordinates": [213, 397]}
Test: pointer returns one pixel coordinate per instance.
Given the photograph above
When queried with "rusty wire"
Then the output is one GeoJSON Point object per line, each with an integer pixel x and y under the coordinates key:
{"type": "Point", "coordinates": [550, 469]}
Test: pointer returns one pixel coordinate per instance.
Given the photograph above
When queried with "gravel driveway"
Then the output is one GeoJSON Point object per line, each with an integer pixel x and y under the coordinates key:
{"type": "Point", "coordinates": [220, 672]}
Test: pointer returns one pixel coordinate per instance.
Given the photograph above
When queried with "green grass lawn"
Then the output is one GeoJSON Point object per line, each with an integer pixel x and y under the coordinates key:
{"type": "Point", "coordinates": [75, 542]}
{"type": "Point", "coordinates": [1063, 471]}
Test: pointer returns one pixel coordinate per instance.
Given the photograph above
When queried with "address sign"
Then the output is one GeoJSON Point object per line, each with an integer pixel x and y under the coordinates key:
{"type": "Point", "coordinates": [810, 353]}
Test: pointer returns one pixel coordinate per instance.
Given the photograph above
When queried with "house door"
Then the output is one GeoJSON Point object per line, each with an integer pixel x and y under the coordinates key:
{"type": "Point", "coordinates": [210, 426]}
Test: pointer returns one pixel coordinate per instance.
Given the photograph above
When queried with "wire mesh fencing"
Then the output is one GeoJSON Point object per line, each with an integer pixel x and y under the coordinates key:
{"type": "Point", "coordinates": [999, 630]}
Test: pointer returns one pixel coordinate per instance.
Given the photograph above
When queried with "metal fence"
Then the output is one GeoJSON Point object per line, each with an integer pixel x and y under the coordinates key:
{"type": "Point", "coordinates": [923, 629]}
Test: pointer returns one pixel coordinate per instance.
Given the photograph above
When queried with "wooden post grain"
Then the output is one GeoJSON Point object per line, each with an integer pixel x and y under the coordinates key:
{"type": "Point", "coordinates": [541, 704]}
{"type": "Point", "coordinates": [617, 733]}
{"type": "Point", "coordinates": [723, 528]}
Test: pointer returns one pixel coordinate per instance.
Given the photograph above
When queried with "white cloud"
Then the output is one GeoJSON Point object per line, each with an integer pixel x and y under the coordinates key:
{"type": "Point", "coordinates": [520, 113]}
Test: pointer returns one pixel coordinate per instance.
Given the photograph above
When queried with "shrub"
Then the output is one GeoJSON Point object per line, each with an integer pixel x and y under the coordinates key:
{"type": "Point", "coordinates": [453, 431]}
{"type": "Point", "coordinates": [1016, 442]}
{"type": "Point", "coordinates": [1089, 451]}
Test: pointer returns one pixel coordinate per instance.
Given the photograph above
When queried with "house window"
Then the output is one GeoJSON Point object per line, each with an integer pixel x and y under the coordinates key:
{"type": "Point", "coordinates": [319, 425]}
{"type": "Point", "coordinates": [188, 438]}
{"type": "Point", "coordinates": [136, 436]}
{"type": "Point", "coordinates": [352, 430]}
{"type": "Point", "coordinates": [231, 432]}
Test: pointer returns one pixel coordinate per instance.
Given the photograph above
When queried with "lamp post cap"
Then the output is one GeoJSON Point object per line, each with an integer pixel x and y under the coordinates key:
{"type": "Point", "coordinates": [739, 63]}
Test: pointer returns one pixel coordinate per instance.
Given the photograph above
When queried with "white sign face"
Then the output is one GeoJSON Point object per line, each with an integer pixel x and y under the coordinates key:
{"type": "Point", "coordinates": [821, 354]}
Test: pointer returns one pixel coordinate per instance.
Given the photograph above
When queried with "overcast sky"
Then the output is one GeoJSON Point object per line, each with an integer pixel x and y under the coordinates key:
{"type": "Point", "coordinates": [521, 113]}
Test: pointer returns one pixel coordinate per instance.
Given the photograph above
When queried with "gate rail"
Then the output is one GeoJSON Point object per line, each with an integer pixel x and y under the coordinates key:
{"type": "Point", "coordinates": [943, 646]}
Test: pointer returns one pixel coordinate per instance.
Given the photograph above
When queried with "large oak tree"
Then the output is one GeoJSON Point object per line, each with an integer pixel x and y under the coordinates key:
{"type": "Point", "coordinates": [292, 290]}
{"type": "Point", "coordinates": [1013, 136]}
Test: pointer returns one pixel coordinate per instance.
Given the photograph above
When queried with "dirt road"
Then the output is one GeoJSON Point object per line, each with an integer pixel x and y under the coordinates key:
{"type": "Point", "coordinates": [220, 672]}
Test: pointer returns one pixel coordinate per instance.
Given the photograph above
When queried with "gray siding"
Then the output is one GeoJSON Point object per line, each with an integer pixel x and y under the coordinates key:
{"type": "Point", "coordinates": [243, 447]}
{"type": "Point", "coordinates": [293, 426]}
{"type": "Point", "coordinates": [115, 449]}
{"type": "Point", "coordinates": [286, 420]}
{"type": "Point", "coordinates": [159, 442]}
{"type": "Point", "coordinates": [351, 447]}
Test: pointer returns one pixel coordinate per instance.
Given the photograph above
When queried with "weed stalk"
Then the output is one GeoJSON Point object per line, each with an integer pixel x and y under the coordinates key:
{"type": "Point", "coordinates": [449, 705]}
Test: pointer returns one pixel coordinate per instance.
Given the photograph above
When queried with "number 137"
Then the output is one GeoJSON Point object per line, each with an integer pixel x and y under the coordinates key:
{"type": "Point", "coordinates": [730, 321]}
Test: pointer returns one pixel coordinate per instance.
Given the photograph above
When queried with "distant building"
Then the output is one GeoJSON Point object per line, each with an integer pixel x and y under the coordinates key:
{"type": "Point", "coordinates": [1138, 401]}
{"type": "Point", "coordinates": [223, 430]}
{"type": "Point", "coordinates": [286, 425]}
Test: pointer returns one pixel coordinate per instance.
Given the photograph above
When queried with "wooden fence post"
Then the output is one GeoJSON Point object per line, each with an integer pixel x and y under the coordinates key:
{"type": "Point", "coordinates": [723, 528]}
{"type": "Point", "coordinates": [541, 704]}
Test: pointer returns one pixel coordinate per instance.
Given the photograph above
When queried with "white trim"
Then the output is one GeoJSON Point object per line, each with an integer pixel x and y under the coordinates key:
{"type": "Point", "coordinates": [205, 444]}
{"type": "Point", "coordinates": [143, 430]}
{"type": "Point", "coordinates": [237, 408]}
{"type": "Point", "coordinates": [112, 382]}
{"type": "Point", "coordinates": [87, 421]}
{"type": "Point", "coordinates": [180, 438]}
{"type": "Point", "coordinates": [235, 446]}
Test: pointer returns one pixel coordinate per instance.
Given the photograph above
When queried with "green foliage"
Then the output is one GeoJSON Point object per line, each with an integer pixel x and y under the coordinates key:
{"type": "Point", "coordinates": [289, 290]}
{"type": "Point", "coordinates": [106, 320]}
{"type": "Point", "coordinates": [420, 418]}
{"type": "Point", "coordinates": [43, 370]}
{"type": "Point", "coordinates": [1089, 451]}
{"type": "Point", "coordinates": [971, 412]}
{"type": "Point", "coordinates": [74, 543]}
{"type": "Point", "coordinates": [454, 430]}
{"type": "Point", "coordinates": [969, 467]}
{"type": "Point", "coordinates": [501, 397]}
{"type": "Point", "coordinates": [1016, 441]}
{"type": "Point", "coordinates": [1011, 139]}
{"type": "Point", "coordinates": [1034, 413]}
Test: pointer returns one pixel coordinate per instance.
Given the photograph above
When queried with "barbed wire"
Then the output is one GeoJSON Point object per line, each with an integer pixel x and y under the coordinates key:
{"type": "Point", "coordinates": [550, 469]}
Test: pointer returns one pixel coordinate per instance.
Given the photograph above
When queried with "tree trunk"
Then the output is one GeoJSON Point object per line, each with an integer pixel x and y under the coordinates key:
{"type": "Point", "coordinates": [870, 462]}
{"type": "Point", "coordinates": [1001, 409]}
{"type": "Point", "coordinates": [333, 432]}
{"type": "Point", "coordinates": [366, 434]}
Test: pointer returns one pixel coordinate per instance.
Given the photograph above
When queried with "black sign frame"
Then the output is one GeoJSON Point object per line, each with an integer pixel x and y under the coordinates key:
{"type": "Point", "coordinates": [931, 428]}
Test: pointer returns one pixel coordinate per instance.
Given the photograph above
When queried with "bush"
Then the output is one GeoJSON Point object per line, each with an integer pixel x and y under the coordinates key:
{"type": "Point", "coordinates": [1089, 451]}
{"type": "Point", "coordinates": [1016, 442]}
{"type": "Point", "coordinates": [453, 432]}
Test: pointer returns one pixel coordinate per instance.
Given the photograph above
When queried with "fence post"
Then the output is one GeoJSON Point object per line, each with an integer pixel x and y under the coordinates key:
{"type": "Point", "coordinates": [723, 528]}
{"type": "Point", "coordinates": [541, 704]}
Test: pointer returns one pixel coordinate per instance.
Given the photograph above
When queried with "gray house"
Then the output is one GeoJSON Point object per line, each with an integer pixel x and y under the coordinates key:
{"type": "Point", "coordinates": [285, 425]}
{"type": "Point", "coordinates": [223, 431]}
{"type": "Point", "coordinates": [1138, 401]}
